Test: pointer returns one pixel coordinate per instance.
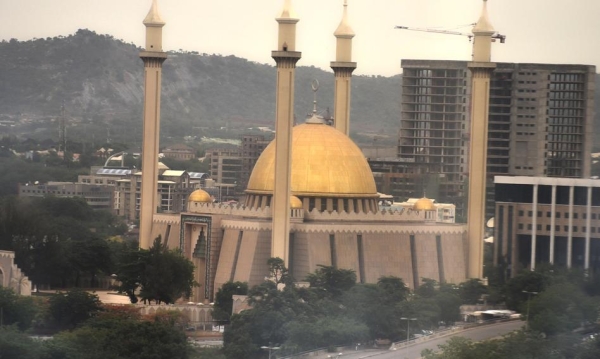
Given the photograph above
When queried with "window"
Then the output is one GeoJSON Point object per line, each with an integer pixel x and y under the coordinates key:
{"type": "Point", "coordinates": [530, 213]}
{"type": "Point", "coordinates": [566, 228]}
{"type": "Point", "coordinates": [574, 228]}
{"type": "Point", "coordinates": [520, 213]}
{"type": "Point", "coordinates": [548, 227]}
{"type": "Point", "coordinates": [539, 214]}
{"type": "Point", "coordinates": [575, 215]}
{"type": "Point", "coordinates": [566, 214]}
{"type": "Point", "coordinates": [548, 214]}
{"type": "Point", "coordinates": [557, 228]}
{"type": "Point", "coordinates": [520, 225]}
{"type": "Point", "coordinates": [529, 226]}
{"type": "Point", "coordinates": [539, 227]}
{"type": "Point", "coordinates": [557, 214]}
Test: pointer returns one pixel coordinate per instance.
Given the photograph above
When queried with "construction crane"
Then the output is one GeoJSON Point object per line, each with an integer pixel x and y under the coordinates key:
{"type": "Point", "coordinates": [497, 35]}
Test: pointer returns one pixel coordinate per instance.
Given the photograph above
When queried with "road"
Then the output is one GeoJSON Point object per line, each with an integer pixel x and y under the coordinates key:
{"type": "Point", "coordinates": [414, 350]}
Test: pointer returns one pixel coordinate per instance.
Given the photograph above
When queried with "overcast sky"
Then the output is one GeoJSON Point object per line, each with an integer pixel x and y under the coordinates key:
{"type": "Point", "coordinates": [547, 31]}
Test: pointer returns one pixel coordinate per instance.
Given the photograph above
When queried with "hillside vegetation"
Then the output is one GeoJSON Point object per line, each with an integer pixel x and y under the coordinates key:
{"type": "Point", "coordinates": [100, 79]}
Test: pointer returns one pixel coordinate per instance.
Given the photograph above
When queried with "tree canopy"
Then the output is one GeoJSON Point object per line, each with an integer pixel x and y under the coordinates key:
{"type": "Point", "coordinates": [159, 274]}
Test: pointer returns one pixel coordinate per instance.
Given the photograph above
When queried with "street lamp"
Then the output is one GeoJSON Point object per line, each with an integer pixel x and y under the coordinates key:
{"type": "Point", "coordinates": [270, 349]}
{"type": "Point", "coordinates": [528, 300]}
{"type": "Point", "coordinates": [407, 328]}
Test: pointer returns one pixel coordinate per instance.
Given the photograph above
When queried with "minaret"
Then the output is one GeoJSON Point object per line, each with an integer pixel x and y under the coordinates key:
{"type": "Point", "coordinates": [153, 57]}
{"type": "Point", "coordinates": [342, 68]}
{"type": "Point", "coordinates": [286, 57]}
{"type": "Point", "coordinates": [481, 70]}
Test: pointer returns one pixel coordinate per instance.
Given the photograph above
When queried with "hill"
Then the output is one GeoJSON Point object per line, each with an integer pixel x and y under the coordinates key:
{"type": "Point", "coordinates": [100, 80]}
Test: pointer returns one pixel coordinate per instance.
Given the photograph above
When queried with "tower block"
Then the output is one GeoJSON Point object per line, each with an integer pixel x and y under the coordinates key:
{"type": "Point", "coordinates": [481, 69]}
{"type": "Point", "coordinates": [342, 69]}
{"type": "Point", "coordinates": [286, 58]}
{"type": "Point", "coordinates": [153, 58]}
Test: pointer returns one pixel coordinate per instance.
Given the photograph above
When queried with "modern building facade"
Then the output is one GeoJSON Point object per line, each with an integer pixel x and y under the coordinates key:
{"type": "Point", "coordinates": [546, 220]}
{"type": "Point", "coordinates": [97, 196]}
{"type": "Point", "coordinates": [540, 123]}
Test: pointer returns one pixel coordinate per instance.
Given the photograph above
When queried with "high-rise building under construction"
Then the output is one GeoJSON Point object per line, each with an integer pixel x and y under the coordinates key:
{"type": "Point", "coordinates": [540, 124]}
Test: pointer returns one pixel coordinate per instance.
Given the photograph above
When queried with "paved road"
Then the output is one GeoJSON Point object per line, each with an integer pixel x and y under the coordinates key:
{"type": "Point", "coordinates": [414, 350]}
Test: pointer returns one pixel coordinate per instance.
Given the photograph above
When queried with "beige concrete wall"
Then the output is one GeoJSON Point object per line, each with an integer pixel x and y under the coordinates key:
{"type": "Point", "coordinates": [453, 254]}
{"type": "Point", "coordinates": [347, 252]}
{"type": "Point", "coordinates": [427, 263]}
{"type": "Point", "coordinates": [387, 254]}
{"type": "Point", "coordinates": [301, 256]}
{"type": "Point", "coordinates": [319, 250]}
{"type": "Point", "coordinates": [226, 258]}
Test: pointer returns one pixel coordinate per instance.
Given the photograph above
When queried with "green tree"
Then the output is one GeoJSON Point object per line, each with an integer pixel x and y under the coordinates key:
{"type": "Point", "coordinates": [160, 274]}
{"type": "Point", "coordinates": [332, 281]}
{"type": "Point", "coordinates": [224, 299]}
{"type": "Point", "coordinates": [121, 335]}
{"type": "Point", "coordinates": [471, 291]}
{"type": "Point", "coordinates": [70, 309]}
{"type": "Point", "coordinates": [17, 345]}
{"type": "Point", "coordinates": [562, 307]}
{"type": "Point", "coordinates": [16, 309]}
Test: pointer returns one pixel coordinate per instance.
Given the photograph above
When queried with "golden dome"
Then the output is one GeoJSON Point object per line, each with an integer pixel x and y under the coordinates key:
{"type": "Point", "coordinates": [424, 204]}
{"type": "Point", "coordinates": [325, 162]}
{"type": "Point", "coordinates": [295, 203]}
{"type": "Point", "coordinates": [200, 196]}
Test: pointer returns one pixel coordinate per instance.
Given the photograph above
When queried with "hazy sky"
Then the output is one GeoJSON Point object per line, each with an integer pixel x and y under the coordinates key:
{"type": "Point", "coordinates": [549, 31]}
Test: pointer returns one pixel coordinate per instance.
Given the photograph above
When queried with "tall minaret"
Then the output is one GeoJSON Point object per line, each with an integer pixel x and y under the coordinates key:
{"type": "Point", "coordinates": [481, 70]}
{"type": "Point", "coordinates": [153, 57]}
{"type": "Point", "coordinates": [286, 57]}
{"type": "Point", "coordinates": [342, 68]}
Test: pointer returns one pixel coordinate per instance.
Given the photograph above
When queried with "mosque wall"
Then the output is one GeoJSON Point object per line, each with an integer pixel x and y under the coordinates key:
{"type": "Point", "coordinates": [227, 258]}
{"type": "Point", "coordinates": [346, 250]}
{"type": "Point", "coordinates": [254, 249]}
{"type": "Point", "coordinates": [426, 252]}
{"type": "Point", "coordinates": [454, 257]}
{"type": "Point", "coordinates": [319, 250]}
{"type": "Point", "coordinates": [300, 257]}
{"type": "Point", "coordinates": [387, 254]}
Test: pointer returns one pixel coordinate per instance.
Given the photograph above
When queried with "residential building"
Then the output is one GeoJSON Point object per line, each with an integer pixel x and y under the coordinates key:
{"type": "Point", "coordinates": [179, 152]}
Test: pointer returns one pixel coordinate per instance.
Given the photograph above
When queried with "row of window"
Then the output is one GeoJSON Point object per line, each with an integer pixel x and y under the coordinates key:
{"type": "Point", "coordinates": [558, 228]}
{"type": "Point", "coordinates": [558, 214]}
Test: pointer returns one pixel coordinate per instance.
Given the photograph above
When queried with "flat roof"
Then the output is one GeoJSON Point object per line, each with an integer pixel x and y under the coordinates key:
{"type": "Point", "coordinates": [548, 181]}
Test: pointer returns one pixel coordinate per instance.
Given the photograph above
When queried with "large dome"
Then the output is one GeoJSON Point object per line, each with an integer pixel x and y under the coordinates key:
{"type": "Point", "coordinates": [325, 162]}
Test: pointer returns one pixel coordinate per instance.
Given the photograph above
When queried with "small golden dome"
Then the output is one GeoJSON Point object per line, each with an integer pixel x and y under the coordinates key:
{"type": "Point", "coordinates": [325, 162]}
{"type": "Point", "coordinates": [424, 204]}
{"type": "Point", "coordinates": [295, 203]}
{"type": "Point", "coordinates": [200, 196]}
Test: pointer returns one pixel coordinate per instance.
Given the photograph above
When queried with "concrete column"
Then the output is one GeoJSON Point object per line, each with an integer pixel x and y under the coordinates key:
{"type": "Point", "coordinates": [284, 108]}
{"type": "Point", "coordinates": [477, 164]}
{"type": "Point", "coordinates": [588, 223]}
{"type": "Point", "coordinates": [151, 129]}
{"type": "Point", "coordinates": [534, 226]}
{"type": "Point", "coordinates": [552, 224]}
{"type": "Point", "coordinates": [570, 235]}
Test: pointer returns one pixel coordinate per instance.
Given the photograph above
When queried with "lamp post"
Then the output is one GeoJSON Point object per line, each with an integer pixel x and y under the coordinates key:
{"type": "Point", "coordinates": [528, 300]}
{"type": "Point", "coordinates": [270, 349]}
{"type": "Point", "coordinates": [407, 328]}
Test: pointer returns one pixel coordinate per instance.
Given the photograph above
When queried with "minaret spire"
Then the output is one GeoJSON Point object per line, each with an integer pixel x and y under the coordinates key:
{"type": "Point", "coordinates": [342, 68]}
{"type": "Point", "coordinates": [483, 32]}
{"type": "Point", "coordinates": [481, 70]}
{"type": "Point", "coordinates": [286, 57]}
{"type": "Point", "coordinates": [153, 58]}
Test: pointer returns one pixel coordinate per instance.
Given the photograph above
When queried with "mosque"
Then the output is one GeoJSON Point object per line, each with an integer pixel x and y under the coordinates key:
{"type": "Point", "coordinates": [311, 198]}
